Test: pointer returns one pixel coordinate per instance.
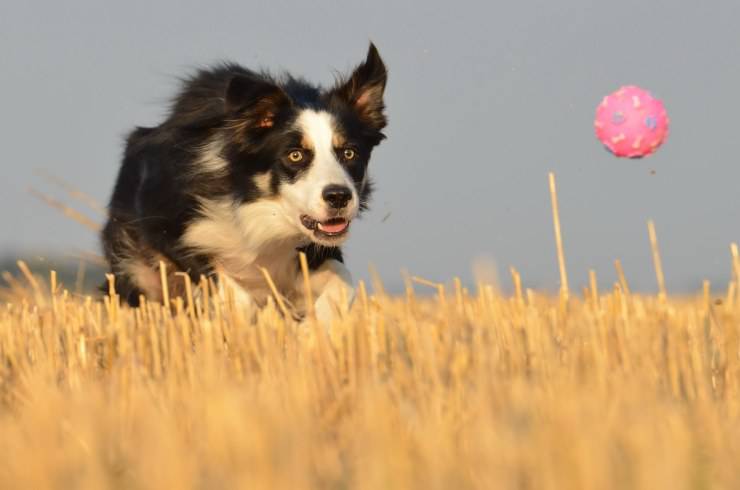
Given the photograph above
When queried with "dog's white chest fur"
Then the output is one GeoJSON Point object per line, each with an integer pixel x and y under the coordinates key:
{"type": "Point", "coordinates": [280, 264]}
{"type": "Point", "coordinates": [250, 238]}
{"type": "Point", "coordinates": [244, 240]}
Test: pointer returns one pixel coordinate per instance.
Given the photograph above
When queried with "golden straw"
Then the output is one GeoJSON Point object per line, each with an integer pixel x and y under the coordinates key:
{"type": "Point", "coordinates": [558, 237]}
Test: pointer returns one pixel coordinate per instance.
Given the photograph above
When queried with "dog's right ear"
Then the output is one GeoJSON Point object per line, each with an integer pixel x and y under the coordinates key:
{"type": "Point", "coordinates": [363, 90]}
{"type": "Point", "coordinates": [258, 100]}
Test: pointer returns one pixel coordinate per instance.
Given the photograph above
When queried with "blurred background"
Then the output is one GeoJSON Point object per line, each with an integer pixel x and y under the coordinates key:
{"type": "Point", "coordinates": [484, 98]}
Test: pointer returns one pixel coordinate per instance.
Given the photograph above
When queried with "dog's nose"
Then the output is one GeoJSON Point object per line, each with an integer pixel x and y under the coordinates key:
{"type": "Point", "coordinates": [337, 196]}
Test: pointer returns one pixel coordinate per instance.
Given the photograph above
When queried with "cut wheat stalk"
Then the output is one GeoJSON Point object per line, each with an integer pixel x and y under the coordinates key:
{"type": "Point", "coordinates": [564, 290]}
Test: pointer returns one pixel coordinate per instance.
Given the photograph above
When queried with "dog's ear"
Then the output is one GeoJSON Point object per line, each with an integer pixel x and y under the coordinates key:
{"type": "Point", "coordinates": [260, 101]}
{"type": "Point", "coordinates": [363, 90]}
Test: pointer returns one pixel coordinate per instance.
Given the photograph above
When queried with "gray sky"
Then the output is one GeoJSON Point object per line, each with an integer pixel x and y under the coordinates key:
{"type": "Point", "coordinates": [483, 98]}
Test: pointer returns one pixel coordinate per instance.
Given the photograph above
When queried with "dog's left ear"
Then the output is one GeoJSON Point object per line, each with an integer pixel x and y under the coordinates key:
{"type": "Point", "coordinates": [364, 89]}
{"type": "Point", "coordinates": [256, 100]}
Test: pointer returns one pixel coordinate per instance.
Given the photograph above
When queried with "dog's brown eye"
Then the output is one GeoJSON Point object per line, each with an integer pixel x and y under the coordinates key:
{"type": "Point", "coordinates": [295, 156]}
{"type": "Point", "coordinates": [349, 154]}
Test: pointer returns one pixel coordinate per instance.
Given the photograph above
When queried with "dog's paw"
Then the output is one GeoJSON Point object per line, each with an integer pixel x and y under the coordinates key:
{"type": "Point", "coordinates": [334, 304]}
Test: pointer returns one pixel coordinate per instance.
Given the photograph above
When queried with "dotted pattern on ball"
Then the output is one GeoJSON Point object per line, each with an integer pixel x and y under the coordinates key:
{"type": "Point", "coordinates": [631, 123]}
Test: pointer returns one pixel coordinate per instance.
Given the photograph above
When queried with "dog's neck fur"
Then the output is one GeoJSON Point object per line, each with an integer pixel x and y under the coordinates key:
{"type": "Point", "coordinates": [244, 239]}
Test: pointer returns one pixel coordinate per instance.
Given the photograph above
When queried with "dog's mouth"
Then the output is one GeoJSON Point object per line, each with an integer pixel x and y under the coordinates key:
{"type": "Point", "coordinates": [331, 228]}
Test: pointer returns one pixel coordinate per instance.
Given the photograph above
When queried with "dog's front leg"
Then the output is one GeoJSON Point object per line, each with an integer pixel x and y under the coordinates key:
{"type": "Point", "coordinates": [332, 286]}
{"type": "Point", "coordinates": [229, 289]}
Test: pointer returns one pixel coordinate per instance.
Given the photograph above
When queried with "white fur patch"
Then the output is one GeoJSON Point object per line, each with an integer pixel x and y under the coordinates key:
{"type": "Point", "coordinates": [210, 157]}
{"type": "Point", "coordinates": [332, 284]}
{"type": "Point", "coordinates": [216, 232]}
{"type": "Point", "coordinates": [145, 277]}
{"type": "Point", "coordinates": [264, 222]}
{"type": "Point", "coordinates": [228, 287]}
{"type": "Point", "coordinates": [246, 238]}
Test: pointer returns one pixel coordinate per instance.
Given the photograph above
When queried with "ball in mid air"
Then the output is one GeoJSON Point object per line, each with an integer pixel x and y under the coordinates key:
{"type": "Point", "coordinates": [631, 123]}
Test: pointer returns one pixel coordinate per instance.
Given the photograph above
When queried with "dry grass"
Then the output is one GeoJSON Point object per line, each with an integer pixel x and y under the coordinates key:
{"type": "Point", "coordinates": [462, 390]}
{"type": "Point", "coordinates": [459, 390]}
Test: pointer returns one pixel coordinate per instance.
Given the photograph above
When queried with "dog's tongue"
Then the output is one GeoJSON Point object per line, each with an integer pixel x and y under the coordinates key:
{"type": "Point", "coordinates": [334, 226]}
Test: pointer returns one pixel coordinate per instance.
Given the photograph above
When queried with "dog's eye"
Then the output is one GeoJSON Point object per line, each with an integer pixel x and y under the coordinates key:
{"type": "Point", "coordinates": [296, 156]}
{"type": "Point", "coordinates": [349, 154]}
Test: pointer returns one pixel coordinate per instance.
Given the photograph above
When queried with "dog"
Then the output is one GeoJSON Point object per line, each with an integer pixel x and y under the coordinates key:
{"type": "Point", "coordinates": [247, 171]}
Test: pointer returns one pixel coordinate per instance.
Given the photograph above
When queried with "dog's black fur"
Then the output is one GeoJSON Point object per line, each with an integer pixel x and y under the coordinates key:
{"type": "Point", "coordinates": [163, 180]}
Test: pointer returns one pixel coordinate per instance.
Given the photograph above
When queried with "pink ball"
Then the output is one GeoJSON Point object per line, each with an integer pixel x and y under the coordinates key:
{"type": "Point", "coordinates": [631, 123]}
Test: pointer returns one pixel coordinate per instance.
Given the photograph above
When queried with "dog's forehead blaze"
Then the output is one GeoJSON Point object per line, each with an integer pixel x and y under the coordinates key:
{"type": "Point", "coordinates": [318, 130]}
{"type": "Point", "coordinates": [338, 140]}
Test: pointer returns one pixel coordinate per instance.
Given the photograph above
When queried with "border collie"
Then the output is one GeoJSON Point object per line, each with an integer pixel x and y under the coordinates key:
{"type": "Point", "coordinates": [247, 171]}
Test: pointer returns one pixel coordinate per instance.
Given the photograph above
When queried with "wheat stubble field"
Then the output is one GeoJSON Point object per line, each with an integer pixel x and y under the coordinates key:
{"type": "Point", "coordinates": [605, 389]}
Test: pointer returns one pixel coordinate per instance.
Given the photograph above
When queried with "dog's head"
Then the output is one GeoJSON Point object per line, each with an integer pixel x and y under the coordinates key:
{"type": "Point", "coordinates": [306, 150]}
